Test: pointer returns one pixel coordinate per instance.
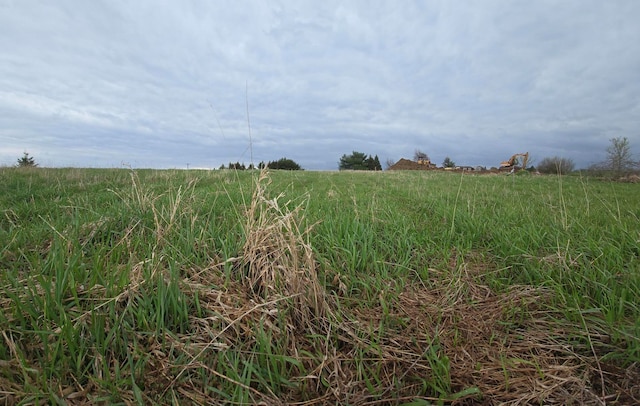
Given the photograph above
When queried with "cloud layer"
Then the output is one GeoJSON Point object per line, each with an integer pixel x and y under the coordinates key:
{"type": "Point", "coordinates": [167, 83]}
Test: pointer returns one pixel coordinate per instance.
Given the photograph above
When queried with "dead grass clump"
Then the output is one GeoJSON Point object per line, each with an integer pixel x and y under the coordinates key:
{"type": "Point", "coordinates": [277, 259]}
{"type": "Point", "coordinates": [508, 346]}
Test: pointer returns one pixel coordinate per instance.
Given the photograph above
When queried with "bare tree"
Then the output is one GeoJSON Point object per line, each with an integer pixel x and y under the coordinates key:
{"type": "Point", "coordinates": [420, 156]}
{"type": "Point", "coordinates": [556, 165]}
{"type": "Point", "coordinates": [389, 163]}
{"type": "Point", "coordinates": [619, 157]}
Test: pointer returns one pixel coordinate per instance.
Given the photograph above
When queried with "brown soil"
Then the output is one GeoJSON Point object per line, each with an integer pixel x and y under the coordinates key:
{"type": "Point", "coordinates": [407, 165]}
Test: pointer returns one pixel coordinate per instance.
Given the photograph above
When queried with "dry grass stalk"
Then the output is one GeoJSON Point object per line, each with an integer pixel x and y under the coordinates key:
{"type": "Point", "coordinates": [278, 259]}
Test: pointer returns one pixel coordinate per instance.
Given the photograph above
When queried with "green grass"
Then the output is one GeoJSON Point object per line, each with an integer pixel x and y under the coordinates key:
{"type": "Point", "coordinates": [127, 287]}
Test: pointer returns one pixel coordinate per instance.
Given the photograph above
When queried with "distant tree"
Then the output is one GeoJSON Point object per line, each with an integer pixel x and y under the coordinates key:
{"type": "Point", "coordinates": [448, 163]}
{"type": "Point", "coordinates": [237, 166]}
{"type": "Point", "coordinates": [556, 165]}
{"type": "Point", "coordinates": [377, 165]}
{"type": "Point", "coordinates": [370, 163]}
{"type": "Point", "coordinates": [261, 165]}
{"type": "Point", "coordinates": [27, 161]}
{"type": "Point", "coordinates": [221, 167]}
{"type": "Point", "coordinates": [251, 167]}
{"type": "Point", "coordinates": [357, 161]}
{"type": "Point", "coordinates": [389, 163]}
{"type": "Point", "coordinates": [373, 164]}
{"type": "Point", "coordinates": [619, 157]}
{"type": "Point", "coordinates": [420, 156]}
{"type": "Point", "coordinates": [284, 163]}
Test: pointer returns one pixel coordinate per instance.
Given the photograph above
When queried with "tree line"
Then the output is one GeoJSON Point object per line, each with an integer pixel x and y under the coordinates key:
{"type": "Point", "coordinates": [619, 161]}
{"type": "Point", "coordinates": [356, 161]}
{"type": "Point", "coordinates": [282, 163]}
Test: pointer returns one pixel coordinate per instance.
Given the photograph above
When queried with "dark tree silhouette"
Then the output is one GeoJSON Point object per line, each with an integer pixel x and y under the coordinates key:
{"type": "Point", "coordinates": [356, 161]}
{"type": "Point", "coordinates": [448, 163]}
{"type": "Point", "coordinates": [27, 161]}
{"type": "Point", "coordinates": [359, 161]}
{"type": "Point", "coordinates": [284, 163]}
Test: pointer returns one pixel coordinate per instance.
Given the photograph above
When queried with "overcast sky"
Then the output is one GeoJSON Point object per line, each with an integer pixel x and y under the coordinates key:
{"type": "Point", "coordinates": [163, 84]}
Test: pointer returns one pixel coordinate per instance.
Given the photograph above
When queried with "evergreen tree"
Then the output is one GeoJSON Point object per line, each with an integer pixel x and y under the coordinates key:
{"type": "Point", "coordinates": [284, 163]}
{"type": "Point", "coordinates": [448, 163]}
{"type": "Point", "coordinates": [357, 161]}
{"type": "Point", "coordinates": [27, 161]}
{"type": "Point", "coordinates": [371, 163]}
{"type": "Point", "coordinates": [377, 165]}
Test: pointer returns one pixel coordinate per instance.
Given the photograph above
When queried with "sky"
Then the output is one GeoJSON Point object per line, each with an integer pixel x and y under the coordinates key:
{"type": "Point", "coordinates": [199, 84]}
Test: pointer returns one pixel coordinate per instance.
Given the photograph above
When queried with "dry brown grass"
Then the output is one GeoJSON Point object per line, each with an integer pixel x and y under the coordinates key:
{"type": "Point", "coordinates": [277, 259]}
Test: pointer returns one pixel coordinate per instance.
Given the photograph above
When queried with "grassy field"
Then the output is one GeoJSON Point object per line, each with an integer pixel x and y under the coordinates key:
{"type": "Point", "coordinates": [196, 287]}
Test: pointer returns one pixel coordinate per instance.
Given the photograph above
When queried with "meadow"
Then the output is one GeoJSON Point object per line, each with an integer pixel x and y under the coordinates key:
{"type": "Point", "coordinates": [290, 287]}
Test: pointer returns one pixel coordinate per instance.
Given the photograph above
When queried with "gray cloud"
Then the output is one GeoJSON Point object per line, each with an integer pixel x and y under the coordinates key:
{"type": "Point", "coordinates": [162, 84]}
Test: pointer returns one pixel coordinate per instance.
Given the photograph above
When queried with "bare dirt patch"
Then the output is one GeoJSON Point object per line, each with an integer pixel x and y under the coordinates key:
{"type": "Point", "coordinates": [408, 165]}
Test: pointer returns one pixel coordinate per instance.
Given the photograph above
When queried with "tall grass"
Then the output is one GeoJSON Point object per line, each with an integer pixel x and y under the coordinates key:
{"type": "Point", "coordinates": [221, 287]}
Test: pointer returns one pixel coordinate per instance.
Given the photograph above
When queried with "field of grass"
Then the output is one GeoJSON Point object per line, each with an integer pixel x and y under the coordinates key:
{"type": "Point", "coordinates": [417, 288]}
